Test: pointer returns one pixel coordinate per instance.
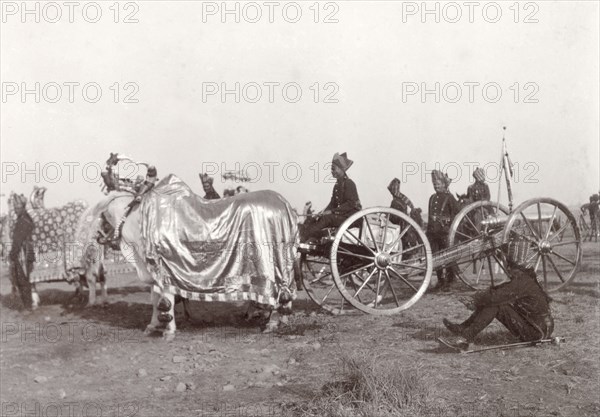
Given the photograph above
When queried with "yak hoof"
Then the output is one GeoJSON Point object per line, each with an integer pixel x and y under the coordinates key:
{"type": "Point", "coordinates": [149, 330]}
{"type": "Point", "coordinates": [270, 327]}
{"type": "Point", "coordinates": [168, 336]}
{"type": "Point", "coordinates": [165, 317]}
{"type": "Point", "coordinates": [164, 305]}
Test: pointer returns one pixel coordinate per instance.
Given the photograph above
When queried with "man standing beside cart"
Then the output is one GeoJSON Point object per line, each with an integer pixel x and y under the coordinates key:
{"type": "Point", "coordinates": [22, 249]}
{"type": "Point", "coordinates": [442, 209]}
{"type": "Point", "coordinates": [479, 190]}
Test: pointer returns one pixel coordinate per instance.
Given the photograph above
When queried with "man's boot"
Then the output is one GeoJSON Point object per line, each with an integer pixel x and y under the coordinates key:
{"type": "Point", "coordinates": [457, 329]}
{"type": "Point", "coordinates": [440, 286]}
{"type": "Point", "coordinates": [457, 343]}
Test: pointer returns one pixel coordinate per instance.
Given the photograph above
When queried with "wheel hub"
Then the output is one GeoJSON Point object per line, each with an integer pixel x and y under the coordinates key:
{"type": "Point", "coordinates": [545, 246]}
{"type": "Point", "coordinates": [382, 260]}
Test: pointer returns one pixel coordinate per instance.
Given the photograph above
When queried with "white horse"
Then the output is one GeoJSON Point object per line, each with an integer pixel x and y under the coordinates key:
{"type": "Point", "coordinates": [132, 247]}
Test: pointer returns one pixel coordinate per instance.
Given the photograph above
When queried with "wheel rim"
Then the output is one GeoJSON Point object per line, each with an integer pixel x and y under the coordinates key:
{"type": "Point", "coordinates": [554, 240]}
{"type": "Point", "coordinates": [319, 284]}
{"type": "Point", "coordinates": [485, 268]}
{"type": "Point", "coordinates": [375, 265]}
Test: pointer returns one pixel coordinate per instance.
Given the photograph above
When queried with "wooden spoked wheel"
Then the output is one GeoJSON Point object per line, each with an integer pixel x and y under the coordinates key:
{"type": "Point", "coordinates": [381, 261]}
{"type": "Point", "coordinates": [483, 265]}
{"type": "Point", "coordinates": [319, 285]}
{"type": "Point", "coordinates": [554, 240]}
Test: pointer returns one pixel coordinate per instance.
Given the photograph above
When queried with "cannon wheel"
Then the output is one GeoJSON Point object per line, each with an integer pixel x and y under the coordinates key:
{"type": "Point", "coordinates": [379, 267]}
{"type": "Point", "coordinates": [319, 285]}
{"type": "Point", "coordinates": [478, 272]}
{"type": "Point", "coordinates": [554, 237]}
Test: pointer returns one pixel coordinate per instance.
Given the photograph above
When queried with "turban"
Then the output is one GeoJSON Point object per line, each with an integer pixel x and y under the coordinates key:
{"type": "Point", "coordinates": [206, 179]}
{"type": "Point", "coordinates": [479, 175]}
{"type": "Point", "coordinates": [394, 187]}
{"type": "Point", "coordinates": [519, 252]}
{"type": "Point", "coordinates": [437, 175]}
{"type": "Point", "coordinates": [342, 161]}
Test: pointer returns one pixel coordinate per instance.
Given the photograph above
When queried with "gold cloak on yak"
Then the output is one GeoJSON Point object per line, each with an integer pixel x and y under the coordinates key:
{"type": "Point", "coordinates": [239, 248]}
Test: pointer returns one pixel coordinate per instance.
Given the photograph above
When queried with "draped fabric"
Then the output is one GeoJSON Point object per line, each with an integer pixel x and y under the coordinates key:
{"type": "Point", "coordinates": [243, 246]}
{"type": "Point", "coordinates": [53, 234]}
{"type": "Point", "coordinates": [85, 236]}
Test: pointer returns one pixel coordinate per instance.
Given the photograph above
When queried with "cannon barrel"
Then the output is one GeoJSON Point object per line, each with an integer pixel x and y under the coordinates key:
{"type": "Point", "coordinates": [500, 221]}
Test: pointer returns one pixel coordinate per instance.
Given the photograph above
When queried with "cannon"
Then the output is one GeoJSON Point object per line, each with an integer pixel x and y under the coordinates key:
{"type": "Point", "coordinates": [380, 261]}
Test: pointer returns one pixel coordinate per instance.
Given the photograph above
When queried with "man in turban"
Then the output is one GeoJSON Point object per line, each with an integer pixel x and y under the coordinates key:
{"type": "Point", "coordinates": [521, 304]}
{"type": "Point", "coordinates": [207, 185]}
{"type": "Point", "coordinates": [442, 209]}
{"type": "Point", "coordinates": [344, 200]}
{"type": "Point", "coordinates": [22, 244]}
{"type": "Point", "coordinates": [399, 200]}
{"type": "Point", "coordinates": [479, 190]}
{"type": "Point", "coordinates": [592, 208]}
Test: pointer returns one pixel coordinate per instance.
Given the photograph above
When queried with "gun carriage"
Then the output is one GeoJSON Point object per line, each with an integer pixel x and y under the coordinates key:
{"type": "Point", "coordinates": [380, 261]}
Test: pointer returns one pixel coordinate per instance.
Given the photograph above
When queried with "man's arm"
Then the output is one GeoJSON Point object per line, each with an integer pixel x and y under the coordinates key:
{"type": "Point", "coordinates": [486, 192]}
{"type": "Point", "coordinates": [453, 204]}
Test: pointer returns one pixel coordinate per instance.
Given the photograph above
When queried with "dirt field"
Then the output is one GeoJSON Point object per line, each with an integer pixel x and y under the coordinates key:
{"type": "Point", "coordinates": [64, 360]}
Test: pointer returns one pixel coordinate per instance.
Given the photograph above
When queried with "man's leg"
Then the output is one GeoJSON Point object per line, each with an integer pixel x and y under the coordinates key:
{"type": "Point", "coordinates": [520, 327]}
{"type": "Point", "coordinates": [478, 321]}
{"type": "Point", "coordinates": [328, 220]}
{"type": "Point", "coordinates": [434, 241]}
{"type": "Point", "coordinates": [22, 283]}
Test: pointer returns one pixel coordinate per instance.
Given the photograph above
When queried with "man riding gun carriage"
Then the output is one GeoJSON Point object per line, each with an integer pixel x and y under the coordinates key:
{"type": "Point", "coordinates": [344, 200]}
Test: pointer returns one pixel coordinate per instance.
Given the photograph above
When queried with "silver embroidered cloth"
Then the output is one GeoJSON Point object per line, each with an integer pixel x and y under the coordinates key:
{"type": "Point", "coordinates": [243, 245]}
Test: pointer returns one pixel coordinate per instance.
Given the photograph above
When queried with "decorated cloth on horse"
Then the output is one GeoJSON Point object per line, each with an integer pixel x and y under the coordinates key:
{"type": "Point", "coordinates": [241, 248]}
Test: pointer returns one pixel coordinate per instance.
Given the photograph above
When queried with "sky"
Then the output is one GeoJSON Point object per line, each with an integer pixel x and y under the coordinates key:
{"type": "Point", "coordinates": [400, 92]}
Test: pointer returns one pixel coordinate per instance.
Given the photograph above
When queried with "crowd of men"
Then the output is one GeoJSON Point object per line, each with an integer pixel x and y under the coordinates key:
{"type": "Point", "coordinates": [593, 210]}
{"type": "Point", "coordinates": [520, 304]}
{"type": "Point", "coordinates": [443, 207]}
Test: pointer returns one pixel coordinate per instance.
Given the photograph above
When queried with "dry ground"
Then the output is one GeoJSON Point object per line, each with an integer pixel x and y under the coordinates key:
{"type": "Point", "coordinates": [70, 361]}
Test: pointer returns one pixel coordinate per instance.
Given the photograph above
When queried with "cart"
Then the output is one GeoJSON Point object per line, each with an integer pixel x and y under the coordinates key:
{"type": "Point", "coordinates": [380, 261]}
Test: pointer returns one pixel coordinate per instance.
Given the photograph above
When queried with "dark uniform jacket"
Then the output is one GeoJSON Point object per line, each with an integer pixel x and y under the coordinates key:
{"type": "Point", "coordinates": [212, 195]}
{"type": "Point", "coordinates": [478, 191]}
{"type": "Point", "coordinates": [344, 199]}
{"type": "Point", "coordinates": [442, 209]}
{"type": "Point", "coordinates": [22, 239]}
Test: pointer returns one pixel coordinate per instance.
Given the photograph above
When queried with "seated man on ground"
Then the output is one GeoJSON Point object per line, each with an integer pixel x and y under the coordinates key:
{"type": "Point", "coordinates": [521, 305]}
{"type": "Point", "coordinates": [344, 200]}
